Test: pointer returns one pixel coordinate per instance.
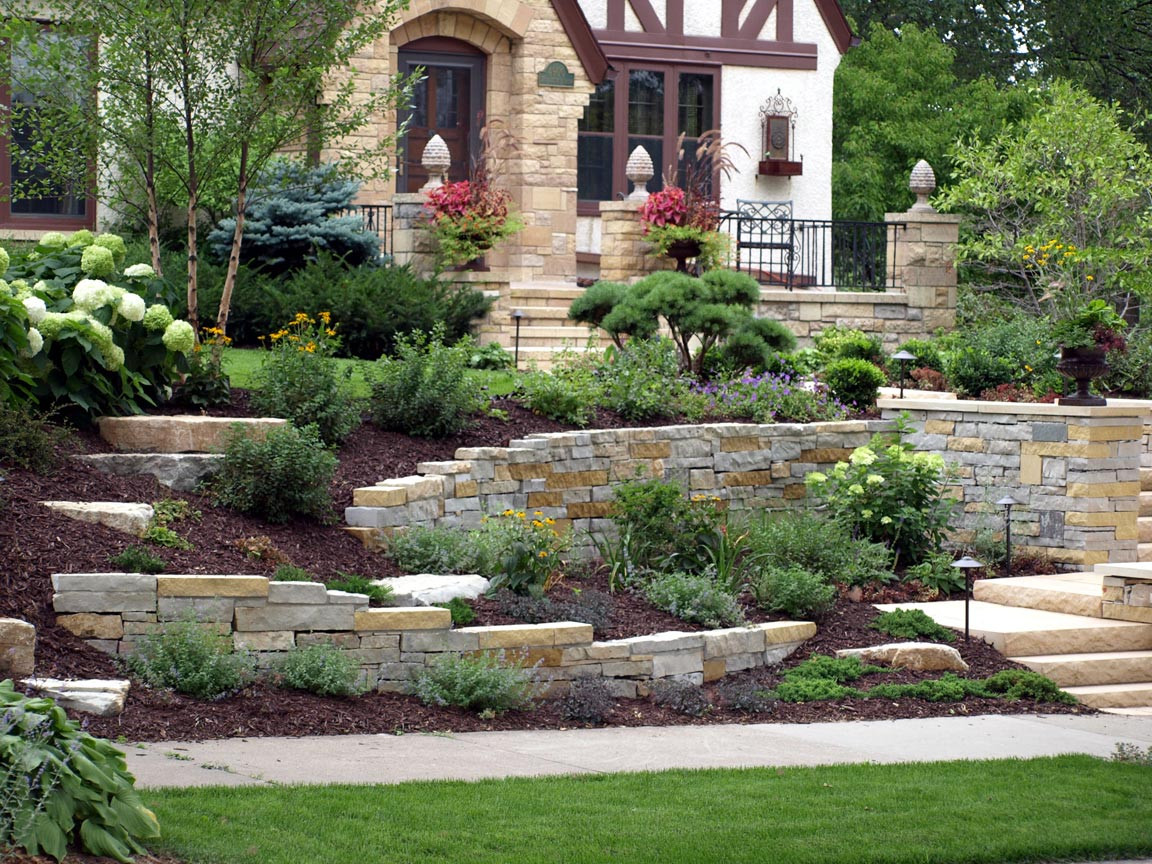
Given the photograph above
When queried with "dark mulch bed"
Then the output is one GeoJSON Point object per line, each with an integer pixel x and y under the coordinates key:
{"type": "Point", "coordinates": [35, 543]}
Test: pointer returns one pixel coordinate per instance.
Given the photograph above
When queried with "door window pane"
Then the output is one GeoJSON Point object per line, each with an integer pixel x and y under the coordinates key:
{"type": "Point", "coordinates": [419, 105]}
{"type": "Point", "coordinates": [451, 84]}
{"type": "Point", "coordinates": [645, 102]}
{"type": "Point", "coordinates": [695, 105]}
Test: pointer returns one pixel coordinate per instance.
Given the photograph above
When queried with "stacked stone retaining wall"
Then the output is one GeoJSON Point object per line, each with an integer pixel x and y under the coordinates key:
{"type": "Point", "coordinates": [114, 611]}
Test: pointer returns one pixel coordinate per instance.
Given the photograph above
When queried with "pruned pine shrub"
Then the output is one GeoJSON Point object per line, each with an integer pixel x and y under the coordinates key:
{"type": "Point", "coordinates": [425, 389]}
{"type": "Point", "coordinates": [61, 787]}
{"type": "Point", "coordinates": [695, 599]}
{"type": "Point", "coordinates": [485, 683]}
{"type": "Point", "coordinates": [792, 590]}
{"type": "Point", "coordinates": [189, 657]}
{"type": "Point", "coordinates": [854, 381]}
{"type": "Point", "coordinates": [911, 624]}
{"type": "Point", "coordinates": [285, 475]}
{"type": "Point", "coordinates": [322, 669]}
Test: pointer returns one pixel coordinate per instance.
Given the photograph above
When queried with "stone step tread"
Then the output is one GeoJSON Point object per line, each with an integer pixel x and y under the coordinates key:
{"type": "Point", "coordinates": [1084, 669]}
{"type": "Point", "coordinates": [1144, 687]}
{"type": "Point", "coordinates": [1018, 631]}
{"type": "Point", "coordinates": [531, 312]}
{"type": "Point", "coordinates": [1073, 593]}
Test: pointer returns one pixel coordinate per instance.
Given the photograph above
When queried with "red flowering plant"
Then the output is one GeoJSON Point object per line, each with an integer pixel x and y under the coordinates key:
{"type": "Point", "coordinates": [469, 217]}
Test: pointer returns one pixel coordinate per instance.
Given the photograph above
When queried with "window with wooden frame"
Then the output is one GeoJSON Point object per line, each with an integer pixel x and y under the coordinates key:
{"type": "Point", "coordinates": [648, 105]}
{"type": "Point", "coordinates": [46, 180]}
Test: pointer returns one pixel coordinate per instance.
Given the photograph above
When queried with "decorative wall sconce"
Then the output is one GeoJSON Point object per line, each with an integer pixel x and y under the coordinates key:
{"type": "Point", "coordinates": [778, 123]}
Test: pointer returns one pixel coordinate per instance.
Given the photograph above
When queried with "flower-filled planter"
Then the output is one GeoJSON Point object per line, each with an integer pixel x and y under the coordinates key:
{"type": "Point", "coordinates": [1085, 338]}
{"type": "Point", "coordinates": [467, 219]}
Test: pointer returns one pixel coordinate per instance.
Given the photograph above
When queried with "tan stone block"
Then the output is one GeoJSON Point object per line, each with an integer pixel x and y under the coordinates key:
{"type": "Point", "coordinates": [265, 640]}
{"type": "Point", "coordinates": [370, 537]}
{"type": "Point", "coordinates": [714, 669]}
{"type": "Point", "coordinates": [777, 632]}
{"type": "Point", "coordinates": [827, 454]}
{"type": "Point", "coordinates": [87, 625]}
{"type": "Point", "coordinates": [650, 450]}
{"type": "Point", "coordinates": [1056, 448]}
{"type": "Point", "coordinates": [591, 510]}
{"type": "Point", "coordinates": [211, 586]}
{"type": "Point", "coordinates": [379, 496]}
{"type": "Point", "coordinates": [939, 427]}
{"type": "Point", "coordinates": [747, 478]}
{"type": "Point", "coordinates": [512, 636]}
{"type": "Point", "coordinates": [781, 470]}
{"type": "Point", "coordinates": [529, 470]}
{"type": "Point", "coordinates": [545, 499]}
{"type": "Point", "coordinates": [1105, 433]}
{"type": "Point", "coordinates": [1103, 490]}
{"type": "Point", "coordinates": [740, 444]}
{"type": "Point", "coordinates": [1121, 612]}
{"type": "Point", "coordinates": [466, 489]}
{"type": "Point", "coordinates": [574, 479]}
{"type": "Point", "coordinates": [1102, 520]}
{"type": "Point", "coordinates": [544, 657]}
{"type": "Point", "coordinates": [1031, 470]}
{"type": "Point", "coordinates": [966, 445]}
{"type": "Point", "coordinates": [795, 492]}
{"type": "Point", "coordinates": [404, 618]}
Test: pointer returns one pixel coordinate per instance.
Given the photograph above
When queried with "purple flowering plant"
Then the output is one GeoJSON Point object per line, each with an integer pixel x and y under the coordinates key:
{"type": "Point", "coordinates": [772, 398]}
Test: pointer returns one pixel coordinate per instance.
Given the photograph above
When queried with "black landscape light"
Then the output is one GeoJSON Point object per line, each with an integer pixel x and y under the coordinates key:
{"type": "Point", "coordinates": [967, 564]}
{"type": "Point", "coordinates": [517, 315]}
{"type": "Point", "coordinates": [1007, 502]}
{"type": "Point", "coordinates": [903, 357]}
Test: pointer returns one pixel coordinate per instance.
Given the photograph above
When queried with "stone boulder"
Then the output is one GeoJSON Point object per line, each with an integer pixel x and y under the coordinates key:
{"type": "Point", "coordinates": [180, 471]}
{"type": "Point", "coordinates": [426, 589]}
{"type": "Point", "coordinates": [130, 518]}
{"type": "Point", "coordinates": [17, 648]}
{"type": "Point", "coordinates": [919, 656]}
{"type": "Point", "coordinates": [185, 433]}
{"type": "Point", "coordinates": [104, 698]}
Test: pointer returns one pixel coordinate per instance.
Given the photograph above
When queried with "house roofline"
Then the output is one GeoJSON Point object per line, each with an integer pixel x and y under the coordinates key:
{"type": "Point", "coordinates": [583, 40]}
{"type": "Point", "coordinates": [837, 24]}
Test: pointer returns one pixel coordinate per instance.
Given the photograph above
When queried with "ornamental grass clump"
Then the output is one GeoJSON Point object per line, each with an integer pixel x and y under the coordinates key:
{"type": "Point", "coordinates": [61, 787]}
{"type": "Point", "coordinates": [284, 475]}
{"type": "Point", "coordinates": [488, 684]}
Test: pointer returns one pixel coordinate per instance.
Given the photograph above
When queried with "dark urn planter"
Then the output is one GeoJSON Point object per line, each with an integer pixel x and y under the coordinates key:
{"type": "Point", "coordinates": [1082, 365]}
{"type": "Point", "coordinates": [682, 250]}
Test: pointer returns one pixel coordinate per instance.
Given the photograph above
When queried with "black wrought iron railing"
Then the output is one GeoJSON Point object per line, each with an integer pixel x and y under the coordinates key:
{"type": "Point", "coordinates": [780, 251]}
{"type": "Point", "coordinates": [378, 219]}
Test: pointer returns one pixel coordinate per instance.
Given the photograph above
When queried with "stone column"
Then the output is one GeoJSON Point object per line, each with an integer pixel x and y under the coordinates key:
{"type": "Point", "coordinates": [409, 243]}
{"type": "Point", "coordinates": [624, 252]}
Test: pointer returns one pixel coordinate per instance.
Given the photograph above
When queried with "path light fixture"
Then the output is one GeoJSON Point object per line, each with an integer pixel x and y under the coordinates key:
{"type": "Point", "coordinates": [1007, 502]}
{"type": "Point", "coordinates": [967, 564]}
{"type": "Point", "coordinates": [517, 316]}
{"type": "Point", "coordinates": [903, 357]}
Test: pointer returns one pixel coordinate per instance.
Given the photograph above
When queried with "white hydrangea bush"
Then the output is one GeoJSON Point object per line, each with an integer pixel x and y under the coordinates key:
{"type": "Point", "coordinates": [84, 340]}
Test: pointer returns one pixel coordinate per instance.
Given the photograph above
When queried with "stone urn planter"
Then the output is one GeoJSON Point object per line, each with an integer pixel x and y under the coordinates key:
{"type": "Point", "coordinates": [1083, 365]}
{"type": "Point", "coordinates": [681, 251]}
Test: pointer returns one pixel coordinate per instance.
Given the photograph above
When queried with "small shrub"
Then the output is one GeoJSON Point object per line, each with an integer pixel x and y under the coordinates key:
{"type": "Point", "coordinates": [492, 356]}
{"type": "Point", "coordinates": [461, 610]}
{"type": "Point", "coordinates": [1132, 754]}
{"type": "Point", "coordinates": [937, 574]}
{"type": "Point", "coordinates": [299, 382]}
{"type": "Point", "coordinates": [642, 381]}
{"type": "Point", "coordinates": [321, 668]}
{"type": "Point", "coordinates": [137, 559]}
{"type": "Point", "coordinates": [796, 592]}
{"type": "Point", "coordinates": [804, 538]}
{"type": "Point", "coordinates": [588, 701]}
{"type": "Point", "coordinates": [812, 690]}
{"type": "Point", "coordinates": [61, 787]}
{"type": "Point", "coordinates": [567, 394]}
{"type": "Point", "coordinates": [911, 624]}
{"type": "Point", "coordinates": [485, 683]}
{"type": "Point", "coordinates": [285, 475]}
{"type": "Point", "coordinates": [927, 354]}
{"type": "Point", "coordinates": [972, 371]}
{"type": "Point", "coordinates": [166, 512]}
{"type": "Point", "coordinates": [425, 389]}
{"type": "Point", "coordinates": [205, 385]}
{"type": "Point", "coordinates": [28, 440]}
{"type": "Point", "coordinates": [746, 695]}
{"type": "Point", "coordinates": [187, 657]}
{"type": "Point", "coordinates": [381, 595]}
{"type": "Point", "coordinates": [846, 343]}
{"type": "Point", "coordinates": [695, 599]}
{"type": "Point", "coordinates": [854, 381]}
{"type": "Point", "coordinates": [946, 688]}
{"type": "Point", "coordinates": [437, 550]}
{"type": "Point", "coordinates": [683, 697]}
{"type": "Point", "coordinates": [838, 669]}
{"type": "Point", "coordinates": [656, 521]}
{"type": "Point", "coordinates": [929, 379]}
{"type": "Point", "coordinates": [1026, 684]}
{"type": "Point", "coordinates": [526, 551]}
{"type": "Point", "coordinates": [291, 573]}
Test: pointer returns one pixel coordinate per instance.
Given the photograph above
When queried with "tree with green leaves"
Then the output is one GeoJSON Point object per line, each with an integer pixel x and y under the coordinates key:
{"type": "Point", "coordinates": [196, 95]}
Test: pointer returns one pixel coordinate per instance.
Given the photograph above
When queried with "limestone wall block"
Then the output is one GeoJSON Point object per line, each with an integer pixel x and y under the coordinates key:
{"type": "Point", "coordinates": [86, 625]}
{"type": "Point", "coordinates": [212, 586]}
{"type": "Point", "coordinates": [662, 643]}
{"type": "Point", "coordinates": [17, 648]}
{"type": "Point", "coordinates": [440, 641]}
{"type": "Point", "coordinates": [297, 617]}
{"type": "Point", "coordinates": [733, 640]}
{"type": "Point", "coordinates": [215, 609]}
{"type": "Point", "coordinates": [299, 592]}
{"type": "Point", "coordinates": [103, 582]}
{"type": "Point", "coordinates": [267, 640]}
{"type": "Point", "coordinates": [400, 618]}
{"type": "Point", "coordinates": [95, 601]}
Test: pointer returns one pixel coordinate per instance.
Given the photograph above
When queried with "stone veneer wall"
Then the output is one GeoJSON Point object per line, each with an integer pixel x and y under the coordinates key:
{"type": "Point", "coordinates": [1076, 471]}
{"type": "Point", "coordinates": [568, 476]}
{"type": "Point", "coordinates": [1127, 592]}
{"type": "Point", "coordinates": [113, 611]}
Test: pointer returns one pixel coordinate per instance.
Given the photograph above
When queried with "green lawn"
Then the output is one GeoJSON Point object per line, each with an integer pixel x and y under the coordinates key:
{"type": "Point", "coordinates": [1069, 808]}
{"type": "Point", "coordinates": [241, 365]}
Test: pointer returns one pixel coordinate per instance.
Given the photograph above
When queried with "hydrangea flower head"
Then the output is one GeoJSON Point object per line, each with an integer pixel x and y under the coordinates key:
{"type": "Point", "coordinates": [51, 324]}
{"type": "Point", "coordinates": [4, 261]}
{"type": "Point", "coordinates": [157, 317]}
{"type": "Point", "coordinates": [132, 306]}
{"type": "Point", "coordinates": [179, 337]}
{"type": "Point", "coordinates": [83, 237]}
{"type": "Point", "coordinates": [114, 243]}
{"type": "Point", "coordinates": [90, 294]}
{"type": "Point", "coordinates": [53, 240]}
{"type": "Point", "coordinates": [98, 262]}
{"type": "Point", "coordinates": [112, 356]}
{"type": "Point", "coordinates": [101, 335]}
{"type": "Point", "coordinates": [35, 342]}
{"type": "Point", "coordinates": [36, 309]}
{"type": "Point", "coordinates": [140, 271]}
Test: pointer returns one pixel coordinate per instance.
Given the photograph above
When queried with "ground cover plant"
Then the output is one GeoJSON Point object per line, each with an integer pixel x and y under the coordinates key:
{"type": "Point", "coordinates": [937, 813]}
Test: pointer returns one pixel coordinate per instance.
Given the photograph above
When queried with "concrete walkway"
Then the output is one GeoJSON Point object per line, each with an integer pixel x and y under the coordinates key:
{"type": "Point", "coordinates": [479, 755]}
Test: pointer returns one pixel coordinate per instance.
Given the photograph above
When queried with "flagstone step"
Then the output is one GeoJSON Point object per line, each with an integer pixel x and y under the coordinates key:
{"type": "Point", "coordinates": [182, 433]}
{"type": "Point", "coordinates": [1070, 593]}
{"type": "Point", "coordinates": [1114, 695]}
{"type": "Point", "coordinates": [1092, 669]}
{"type": "Point", "coordinates": [1020, 632]}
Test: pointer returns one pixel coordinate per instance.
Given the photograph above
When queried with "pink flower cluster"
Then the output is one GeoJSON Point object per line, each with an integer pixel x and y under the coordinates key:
{"type": "Point", "coordinates": [669, 206]}
{"type": "Point", "coordinates": [466, 200]}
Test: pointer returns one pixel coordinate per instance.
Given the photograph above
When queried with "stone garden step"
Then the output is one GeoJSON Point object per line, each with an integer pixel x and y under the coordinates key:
{"type": "Point", "coordinates": [129, 518]}
{"type": "Point", "coordinates": [1071, 593]}
{"type": "Point", "coordinates": [180, 471]}
{"type": "Point", "coordinates": [1018, 632]}
{"type": "Point", "coordinates": [1093, 669]}
{"type": "Point", "coordinates": [184, 433]}
{"type": "Point", "coordinates": [1114, 695]}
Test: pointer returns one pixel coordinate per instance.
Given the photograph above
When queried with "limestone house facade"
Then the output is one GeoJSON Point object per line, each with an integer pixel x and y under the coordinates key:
{"type": "Point", "coordinates": [581, 83]}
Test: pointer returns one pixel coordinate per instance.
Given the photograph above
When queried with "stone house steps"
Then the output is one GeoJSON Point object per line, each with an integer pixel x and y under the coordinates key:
{"type": "Point", "coordinates": [1070, 593]}
{"type": "Point", "coordinates": [1114, 696]}
{"type": "Point", "coordinates": [1144, 522]}
{"type": "Point", "coordinates": [545, 328]}
{"type": "Point", "coordinates": [1099, 667]}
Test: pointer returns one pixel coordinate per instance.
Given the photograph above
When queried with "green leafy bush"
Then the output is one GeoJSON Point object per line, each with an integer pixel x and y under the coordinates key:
{"type": "Point", "coordinates": [792, 590]}
{"type": "Point", "coordinates": [356, 584]}
{"type": "Point", "coordinates": [911, 624]}
{"type": "Point", "coordinates": [927, 354]}
{"type": "Point", "coordinates": [461, 610]}
{"type": "Point", "coordinates": [971, 371]}
{"type": "Point", "coordinates": [291, 573]}
{"type": "Point", "coordinates": [847, 343]}
{"type": "Point", "coordinates": [654, 521]}
{"type": "Point", "coordinates": [642, 381]}
{"type": "Point", "coordinates": [811, 690]}
{"type": "Point", "coordinates": [298, 381]}
{"type": "Point", "coordinates": [854, 381]}
{"type": "Point", "coordinates": [937, 573]}
{"type": "Point", "coordinates": [568, 393]}
{"type": "Point", "coordinates": [438, 550]}
{"type": "Point", "coordinates": [286, 474]}
{"type": "Point", "coordinates": [321, 668]}
{"type": "Point", "coordinates": [1026, 684]}
{"type": "Point", "coordinates": [485, 683]}
{"type": "Point", "coordinates": [526, 550]}
{"type": "Point", "coordinates": [137, 559]}
{"type": "Point", "coordinates": [491, 356]}
{"type": "Point", "coordinates": [188, 657]}
{"type": "Point", "coordinates": [28, 440]}
{"type": "Point", "coordinates": [804, 538]}
{"type": "Point", "coordinates": [425, 389]}
{"type": "Point", "coordinates": [695, 599]}
{"type": "Point", "coordinates": [839, 669]}
{"type": "Point", "coordinates": [60, 786]}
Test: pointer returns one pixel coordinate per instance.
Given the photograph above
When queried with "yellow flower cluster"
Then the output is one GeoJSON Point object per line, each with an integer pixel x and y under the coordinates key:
{"type": "Point", "coordinates": [303, 332]}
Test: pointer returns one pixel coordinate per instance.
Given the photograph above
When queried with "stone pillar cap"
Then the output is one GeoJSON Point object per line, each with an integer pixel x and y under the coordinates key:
{"type": "Point", "coordinates": [923, 183]}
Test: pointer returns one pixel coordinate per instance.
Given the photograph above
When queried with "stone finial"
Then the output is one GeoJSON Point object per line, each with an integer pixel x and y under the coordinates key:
{"type": "Point", "coordinates": [639, 170]}
{"type": "Point", "coordinates": [923, 183]}
{"type": "Point", "coordinates": [436, 161]}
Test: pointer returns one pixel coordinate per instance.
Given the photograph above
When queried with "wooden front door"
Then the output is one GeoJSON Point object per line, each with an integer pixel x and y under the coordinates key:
{"type": "Point", "coordinates": [446, 101]}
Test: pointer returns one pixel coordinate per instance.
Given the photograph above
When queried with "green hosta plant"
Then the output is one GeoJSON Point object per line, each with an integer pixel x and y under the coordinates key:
{"type": "Point", "coordinates": [60, 786]}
